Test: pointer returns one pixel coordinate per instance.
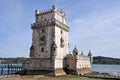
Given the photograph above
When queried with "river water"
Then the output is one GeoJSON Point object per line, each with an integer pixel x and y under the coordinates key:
{"type": "Point", "coordinates": [113, 69]}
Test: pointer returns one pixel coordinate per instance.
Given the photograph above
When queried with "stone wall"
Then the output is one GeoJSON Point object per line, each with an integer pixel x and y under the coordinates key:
{"type": "Point", "coordinates": [77, 64]}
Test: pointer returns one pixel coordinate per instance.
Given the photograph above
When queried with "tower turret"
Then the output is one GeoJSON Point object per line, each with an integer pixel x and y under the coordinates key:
{"type": "Point", "coordinates": [90, 56]}
{"type": "Point", "coordinates": [37, 11]}
{"type": "Point", "coordinates": [54, 7]}
{"type": "Point", "coordinates": [75, 52]}
{"type": "Point", "coordinates": [32, 51]}
{"type": "Point", "coordinates": [82, 53]}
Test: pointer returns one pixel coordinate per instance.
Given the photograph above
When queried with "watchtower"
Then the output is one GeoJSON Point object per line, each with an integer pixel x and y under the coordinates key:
{"type": "Point", "coordinates": [50, 41]}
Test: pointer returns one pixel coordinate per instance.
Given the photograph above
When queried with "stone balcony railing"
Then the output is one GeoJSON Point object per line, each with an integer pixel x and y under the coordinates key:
{"type": "Point", "coordinates": [50, 23]}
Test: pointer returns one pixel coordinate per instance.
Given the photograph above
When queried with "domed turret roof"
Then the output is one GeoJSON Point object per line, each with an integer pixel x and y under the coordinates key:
{"type": "Point", "coordinates": [82, 53]}
{"type": "Point", "coordinates": [89, 54]}
{"type": "Point", "coordinates": [75, 50]}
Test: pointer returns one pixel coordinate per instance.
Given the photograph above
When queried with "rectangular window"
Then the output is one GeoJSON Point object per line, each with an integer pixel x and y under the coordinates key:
{"type": "Point", "coordinates": [43, 31]}
{"type": "Point", "coordinates": [42, 49]}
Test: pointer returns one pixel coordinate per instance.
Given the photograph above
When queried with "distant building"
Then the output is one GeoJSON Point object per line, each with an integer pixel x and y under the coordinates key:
{"type": "Point", "coordinates": [49, 53]}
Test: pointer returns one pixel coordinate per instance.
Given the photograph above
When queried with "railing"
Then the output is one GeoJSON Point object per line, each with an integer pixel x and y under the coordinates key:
{"type": "Point", "coordinates": [10, 69]}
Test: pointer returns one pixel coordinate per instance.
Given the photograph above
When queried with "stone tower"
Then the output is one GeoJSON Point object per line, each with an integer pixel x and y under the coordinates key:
{"type": "Point", "coordinates": [49, 52]}
{"type": "Point", "coordinates": [50, 42]}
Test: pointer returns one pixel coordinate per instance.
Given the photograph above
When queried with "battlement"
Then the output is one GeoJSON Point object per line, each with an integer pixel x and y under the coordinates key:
{"type": "Point", "coordinates": [79, 56]}
{"type": "Point", "coordinates": [53, 9]}
{"type": "Point", "coordinates": [47, 15]}
{"type": "Point", "coordinates": [37, 12]}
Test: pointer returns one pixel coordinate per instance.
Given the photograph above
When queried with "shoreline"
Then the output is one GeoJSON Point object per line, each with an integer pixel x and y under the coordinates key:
{"type": "Point", "coordinates": [37, 77]}
{"type": "Point", "coordinates": [90, 76]}
{"type": "Point", "coordinates": [102, 75]}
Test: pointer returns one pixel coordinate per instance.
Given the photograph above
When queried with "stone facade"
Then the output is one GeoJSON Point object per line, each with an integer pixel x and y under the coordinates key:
{"type": "Point", "coordinates": [49, 53]}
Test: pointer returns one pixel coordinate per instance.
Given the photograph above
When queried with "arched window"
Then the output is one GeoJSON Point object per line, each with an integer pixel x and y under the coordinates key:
{"type": "Point", "coordinates": [61, 32]}
{"type": "Point", "coordinates": [62, 42]}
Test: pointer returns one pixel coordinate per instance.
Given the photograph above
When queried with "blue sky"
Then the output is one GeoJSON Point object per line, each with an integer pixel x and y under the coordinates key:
{"type": "Point", "coordinates": [94, 24]}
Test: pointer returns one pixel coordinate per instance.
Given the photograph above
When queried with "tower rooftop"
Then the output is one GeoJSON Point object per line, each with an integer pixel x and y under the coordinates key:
{"type": "Point", "coordinates": [53, 9]}
{"type": "Point", "coordinates": [50, 17]}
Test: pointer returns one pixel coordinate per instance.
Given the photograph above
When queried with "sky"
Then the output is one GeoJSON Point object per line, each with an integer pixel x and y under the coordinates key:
{"type": "Point", "coordinates": [94, 24]}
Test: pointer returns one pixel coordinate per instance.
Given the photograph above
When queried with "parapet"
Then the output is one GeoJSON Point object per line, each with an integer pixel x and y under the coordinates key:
{"type": "Point", "coordinates": [53, 9]}
{"type": "Point", "coordinates": [79, 56]}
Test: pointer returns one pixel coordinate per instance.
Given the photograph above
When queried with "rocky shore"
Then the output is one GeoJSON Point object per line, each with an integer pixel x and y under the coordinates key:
{"type": "Point", "coordinates": [101, 75]}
